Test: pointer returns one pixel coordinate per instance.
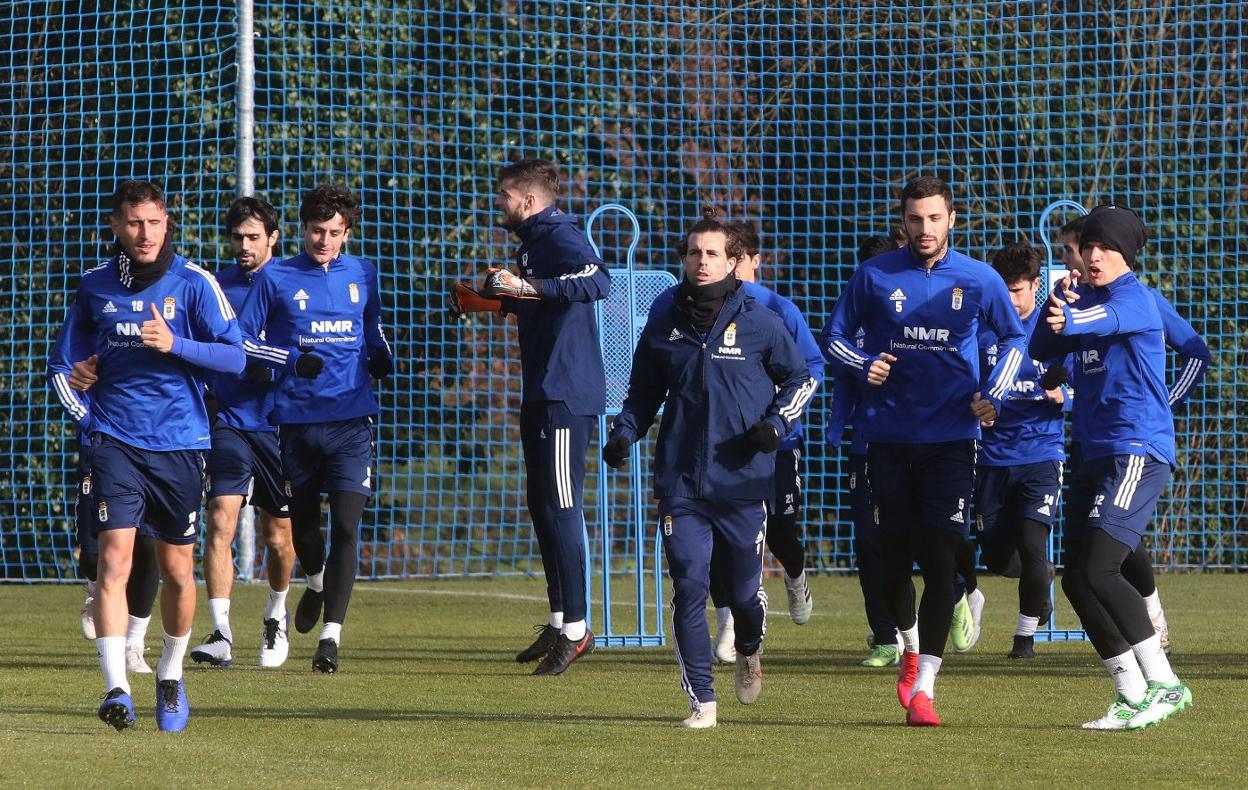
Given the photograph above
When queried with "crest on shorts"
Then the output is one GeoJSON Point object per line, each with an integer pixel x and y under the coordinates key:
{"type": "Point", "coordinates": [102, 511]}
{"type": "Point", "coordinates": [667, 526]}
{"type": "Point", "coordinates": [86, 485]}
{"type": "Point", "coordinates": [287, 486]}
{"type": "Point", "coordinates": [730, 335]}
{"type": "Point", "coordinates": [354, 291]}
{"type": "Point", "coordinates": [170, 308]}
{"type": "Point", "coordinates": [957, 299]}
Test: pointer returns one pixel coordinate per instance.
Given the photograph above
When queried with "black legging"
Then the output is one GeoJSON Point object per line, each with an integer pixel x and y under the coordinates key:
{"type": "Point", "coordinates": [346, 508]}
{"type": "Point", "coordinates": [937, 552]}
{"type": "Point", "coordinates": [1138, 568]}
{"type": "Point", "coordinates": [1033, 577]}
{"type": "Point", "coordinates": [144, 580]}
{"type": "Point", "coordinates": [1111, 609]}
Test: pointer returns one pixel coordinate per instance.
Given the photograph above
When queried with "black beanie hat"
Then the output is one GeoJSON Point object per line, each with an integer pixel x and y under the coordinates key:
{"type": "Point", "coordinates": [1118, 228]}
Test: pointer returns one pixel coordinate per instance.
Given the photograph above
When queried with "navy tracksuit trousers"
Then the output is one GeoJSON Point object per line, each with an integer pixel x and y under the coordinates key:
{"type": "Point", "coordinates": [555, 444]}
{"type": "Point", "coordinates": [692, 529]}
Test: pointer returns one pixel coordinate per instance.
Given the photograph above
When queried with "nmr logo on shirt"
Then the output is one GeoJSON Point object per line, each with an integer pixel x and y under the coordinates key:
{"type": "Point", "coordinates": [925, 333]}
{"type": "Point", "coordinates": [129, 328]}
{"type": "Point", "coordinates": [332, 326]}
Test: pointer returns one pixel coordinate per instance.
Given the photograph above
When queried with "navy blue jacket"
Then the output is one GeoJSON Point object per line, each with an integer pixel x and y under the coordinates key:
{"type": "Point", "coordinates": [1115, 333]}
{"type": "Point", "coordinates": [930, 320]}
{"type": "Point", "coordinates": [714, 387]}
{"type": "Point", "coordinates": [145, 398]}
{"type": "Point", "coordinates": [793, 321]}
{"type": "Point", "coordinates": [560, 354]}
{"type": "Point", "coordinates": [337, 313]}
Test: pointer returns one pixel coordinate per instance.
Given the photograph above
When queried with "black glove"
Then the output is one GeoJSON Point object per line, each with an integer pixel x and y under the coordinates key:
{"type": "Point", "coordinates": [257, 373]}
{"type": "Point", "coordinates": [1054, 377]}
{"type": "Point", "coordinates": [309, 363]}
{"type": "Point", "coordinates": [380, 364]}
{"type": "Point", "coordinates": [615, 452]}
{"type": "Point", "coordinates": [763, 437]}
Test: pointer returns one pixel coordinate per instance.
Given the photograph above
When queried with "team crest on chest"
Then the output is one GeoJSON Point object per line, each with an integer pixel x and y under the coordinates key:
{"type": "Point", "coordinates": [730, 335]}
{"type": "Point", "coordinates": [171, 307]}
{"type": "Point", "coordinates": [957, 299]}
{"type": "Point", "coordinates": [354, 291]}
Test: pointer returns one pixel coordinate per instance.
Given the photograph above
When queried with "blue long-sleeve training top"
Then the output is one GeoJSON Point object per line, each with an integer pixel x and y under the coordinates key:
{"type": "Point", "coordinates": [1185, 341]}
{"type": "Point", "coordinates": [1115, 333]}
{"type": "Point", "coordinates": [146, 398]}
{"type": "Point", "coordinates": [335, 311]}
{"type": "Point", "coordinates": [930, 320]}
{"type": "Point", "coordinates": [714, 387]}
{"type": "Point", "coordinates": [1028, 428]}
{"type": "Point", "coordinates": [794, 322]}
{"type": "Point", "coordinates": [560, 355]}
{"type": "Point", "coordinates": [245, 404]}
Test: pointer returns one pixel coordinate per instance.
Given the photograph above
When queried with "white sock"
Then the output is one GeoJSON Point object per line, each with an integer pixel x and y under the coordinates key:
{"type": "Point", "coordinates": [574, 630]}
{"type": "Point", "coordinates": [332, 631]}
{"type": "Point", "coordinates": [1127, 677]}
{"type": "Point", "coordinates": [136, 631]}
{"type": "Point", "coordinates": [1153, 602]}
{"type": "Point", "coordinates": [897, 640]}
{"type": "Point", "coordinates": [975, 595]}
{"type": "Point", "coordinates": [723, 618]}
{"type": "Point", "coordinates": [170, 665]}
{"type": "Point", "coordinates": [556, 620]}
{"type": "Point", "coordinates": [316, 581]}
{"type": "Point", "coordinates": [926, 682]}
{"type": "Point", "coordinates": [112, 650]}
{"type": "Point", "coordinates": [1026, 625]}
{"type": "Point", "coordinates": [910, 638]}
{"type": "Point", "coordinates": [1153, 661]}
{"type": "Point", "coordinates": [276, 607]}
{"type": "Point", "coordinates": [91, 592]}
{"type": "Point", "coordinates": [220, 609]}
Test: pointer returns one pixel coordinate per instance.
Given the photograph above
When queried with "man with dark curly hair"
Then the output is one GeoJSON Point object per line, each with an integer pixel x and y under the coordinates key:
{"type": "Point", "coordinates": [316, 319]}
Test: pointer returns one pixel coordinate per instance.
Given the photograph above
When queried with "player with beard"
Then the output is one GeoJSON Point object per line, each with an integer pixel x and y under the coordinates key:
{"type": "Point", "coordinates": [245, 461]}
{"type": "Point", "coordinates": [563, 387]}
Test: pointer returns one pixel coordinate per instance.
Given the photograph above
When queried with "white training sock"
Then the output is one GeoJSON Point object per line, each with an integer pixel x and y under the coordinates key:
{"type": "Point", "coordinates": [723, 618]}
{"type": "Point", "coordinates": [926, 682]}
{"type": "Point", "coordinates": [136, 631]}
{"type": "Point", "coordinates": [316, 581]}
{"type": "Point", "coordinates": [332, 631]}
{"type": "Point", "coordinates": [112, 650]}
{"type": "Point", "coordinates": [170, 665]}
{"type": "Point", "coordinates": [1153, 661]}
{"type": "Point", "coordinates": [1026, 625]}
{"type": "Point", "coordinates": [910, 638]}
{"type": "Point", "coordinates": [1127, 677]}
{"type": "Point", "coordinates": [220, 610]}
{"type": "Point", "coordinates": [275, 609]}
{"type": "Point", "coordinates": [975, 595]}
{"type": "Point", "coordinates": [574, 630]}
{"type": "Point", "coordinates": [1153, 602]}
{"type": "Point", "coordinates": [91, 591]}
{"type": "Point", "coordinates": [556, 620]}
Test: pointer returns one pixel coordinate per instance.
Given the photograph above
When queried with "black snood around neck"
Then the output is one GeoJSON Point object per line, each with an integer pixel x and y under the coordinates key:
{"type": "Point", "coordinates": [137, 276]}
{"type": "Point", "coordinates": [702, 303]}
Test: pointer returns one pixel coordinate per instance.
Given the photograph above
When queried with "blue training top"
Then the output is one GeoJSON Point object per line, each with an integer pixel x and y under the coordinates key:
{"type": "Point", "coordinates": [1115, 333]}
{"type": "Point", "coordinates": [245, 404]}
{"type": "Point", "coordinates": [298, 305]}
{"type": "Point", "coordinates": [930, 320]}
{"type": "Point", "coordinates": [145, 398]}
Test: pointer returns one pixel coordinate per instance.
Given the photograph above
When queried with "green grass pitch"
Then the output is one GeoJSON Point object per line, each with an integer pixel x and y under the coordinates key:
{"type": "Point", "coordinates": [429, 695]}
